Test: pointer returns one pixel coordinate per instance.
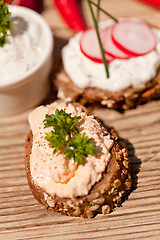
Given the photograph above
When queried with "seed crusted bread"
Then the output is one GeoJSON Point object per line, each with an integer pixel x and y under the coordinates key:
{"type": "Point", "coordinates": [106, 194]}
{"type": "Point", "coordinates": [96, 97]}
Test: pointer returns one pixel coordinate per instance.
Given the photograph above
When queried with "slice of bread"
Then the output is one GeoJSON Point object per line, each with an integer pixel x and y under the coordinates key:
{"type": "Point", "coordinates": [96, 97]}
{"type": "Point", "coordinates": [104, 195]}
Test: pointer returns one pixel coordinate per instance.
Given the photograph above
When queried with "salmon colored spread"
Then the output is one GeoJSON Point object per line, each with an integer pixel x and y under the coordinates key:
{"type": "Point", "coordinates": [54, 172]}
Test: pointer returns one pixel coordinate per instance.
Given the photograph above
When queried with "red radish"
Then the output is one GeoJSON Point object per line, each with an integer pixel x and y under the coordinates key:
{"type": "Point", "coordinates": [89, 46]}
{"type": "Point", "coordinates": [108, 45]}
{"type": "Point", "coordinates": [133, 37]}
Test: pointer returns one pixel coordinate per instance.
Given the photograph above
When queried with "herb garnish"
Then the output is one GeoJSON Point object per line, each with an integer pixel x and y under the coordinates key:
{"type": "Point", "coordinates": [101, 9]}
{"type": "Point", "coordinates": [98, 6]}
{"type": "Point", "coordinates": [99, 40]}
{"type": "Point", "coordinates": [5, 24]}
{"type": "Point", "coordinates": [65, 136]}
{"type": "Point", "coordinates": [90, 3]}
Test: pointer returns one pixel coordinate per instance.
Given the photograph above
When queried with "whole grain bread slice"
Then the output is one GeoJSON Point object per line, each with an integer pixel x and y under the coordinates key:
{"type": "Point", "coordinates": [106, 194]}
{"type": "Point", "coordinates": [96, 97]}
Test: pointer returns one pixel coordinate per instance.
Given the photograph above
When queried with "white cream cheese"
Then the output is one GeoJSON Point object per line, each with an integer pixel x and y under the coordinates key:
{"type": "Point", "coordinates": [133, 72]}
{"type": "Point", "coordinates": [57, 174]}
{"type": "Point", "coordinates": [22, 52]}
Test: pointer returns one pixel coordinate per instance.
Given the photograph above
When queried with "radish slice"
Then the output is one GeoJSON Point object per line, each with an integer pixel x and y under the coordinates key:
{"type": "Point", "coordinates": [109, 47]}
{"type": "Point", "coordinates": [89, 46]}
{"type": "Point", "coordinates": [133, 37]}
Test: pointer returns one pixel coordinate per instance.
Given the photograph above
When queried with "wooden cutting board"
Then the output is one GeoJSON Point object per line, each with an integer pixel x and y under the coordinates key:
{"type": "Point", "coordinates": [21, 217]}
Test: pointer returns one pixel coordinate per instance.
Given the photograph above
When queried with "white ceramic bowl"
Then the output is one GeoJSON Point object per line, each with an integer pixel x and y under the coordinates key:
{"type": "Point", "coordinates": [23, 92]}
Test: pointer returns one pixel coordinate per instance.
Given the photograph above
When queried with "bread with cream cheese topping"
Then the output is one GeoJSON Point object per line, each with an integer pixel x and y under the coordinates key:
{"type": "Point", "coordinates": [109, 192]}
{"type": "Point", "coordinates": [93, 97]}
{"type": "Point", "coordinates": [133, 80]}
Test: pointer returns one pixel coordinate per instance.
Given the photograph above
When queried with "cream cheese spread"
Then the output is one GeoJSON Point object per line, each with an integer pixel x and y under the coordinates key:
{"type": "Point", "coordinates": [134, 72]}
{"type": "Point", "coordinates": [22, 51]}
{"type": "Point", "coordinates": [54, 172]}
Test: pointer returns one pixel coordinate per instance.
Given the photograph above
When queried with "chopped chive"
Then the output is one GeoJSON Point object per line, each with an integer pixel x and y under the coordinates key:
{"type": "Point", "coordinates": [98, 9]}
{"type": "Point", "coordinates": [99, 40]}
{"type": "Point", "coordinates": [5, 23]}
{"type": "Point", "coordinates": [101, 9]}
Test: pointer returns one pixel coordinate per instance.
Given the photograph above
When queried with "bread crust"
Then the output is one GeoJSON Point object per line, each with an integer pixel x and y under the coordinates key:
{"type": "Point", "coordinates": [96, 97]}
{"type": "Point", "coordinates": [109, 192]}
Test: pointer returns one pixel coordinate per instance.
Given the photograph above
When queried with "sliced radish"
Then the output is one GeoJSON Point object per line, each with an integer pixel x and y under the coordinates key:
{"type": "Point", "coordinates": [133, 37]}
{"type": "Point", "coordinates": [109, 58]}
{"type": "Point", "coordinates": [89, 46]}
{"type": "Point", "coordinates": [108, 45]}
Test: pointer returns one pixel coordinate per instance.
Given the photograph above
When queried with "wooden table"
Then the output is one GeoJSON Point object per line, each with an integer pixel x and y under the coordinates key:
{"type": "Point", "coordinates": [21, 217]}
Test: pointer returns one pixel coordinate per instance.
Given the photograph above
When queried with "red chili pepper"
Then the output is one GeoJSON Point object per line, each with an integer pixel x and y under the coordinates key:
{"type": "Point", "coordinates": [70, 11]}
{"type": "Point", "coordinates": [154, 3]}
{"type": "Point", "coordinates": [33, 4]}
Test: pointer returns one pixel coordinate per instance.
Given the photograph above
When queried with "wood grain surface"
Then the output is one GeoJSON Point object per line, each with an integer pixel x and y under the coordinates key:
{"type": "Point", "coordinates": [22, 217]}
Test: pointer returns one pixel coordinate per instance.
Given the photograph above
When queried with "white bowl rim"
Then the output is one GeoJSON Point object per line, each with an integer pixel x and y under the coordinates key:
{"type": "Point", "coordinates": [48, 50]}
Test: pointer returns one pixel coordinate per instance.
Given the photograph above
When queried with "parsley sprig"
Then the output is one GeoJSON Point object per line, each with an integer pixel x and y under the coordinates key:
{"type": "Point", "coordinates": [80, 145]}
{"type": "Point", "coordinates": [65, 136]}
{"type": "Point", "coordinates": [5, 24]}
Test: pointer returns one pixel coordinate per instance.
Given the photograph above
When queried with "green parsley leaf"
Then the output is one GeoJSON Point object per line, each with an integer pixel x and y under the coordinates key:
{"type": "Point", "coordinates": [79, 146]}
{"type": "Point", "coordinates": [62, 121]}
{"type": "Point", "coordinates": [65, 136]}
{"type": "Point", "coordinates": [56, 141]}
{"type": "Point", "coordinates": [63, 125]}
{"type": "Point", "coordinates": [5, 24]}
